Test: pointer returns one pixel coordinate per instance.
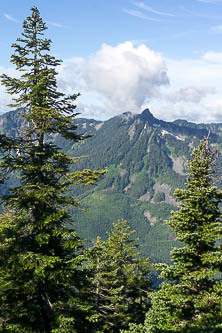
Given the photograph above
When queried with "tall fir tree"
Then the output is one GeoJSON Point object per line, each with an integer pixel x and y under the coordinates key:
{"type": "Point", "coordinates": [120, 280]}
{"type": "Point", "coordinates": [190, 300]}
{"type": "Point", "coordinates": [40, 258]}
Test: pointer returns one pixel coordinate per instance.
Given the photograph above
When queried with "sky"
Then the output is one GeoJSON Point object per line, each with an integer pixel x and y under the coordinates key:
{"type": "Point", "coordinates": [124, 55]}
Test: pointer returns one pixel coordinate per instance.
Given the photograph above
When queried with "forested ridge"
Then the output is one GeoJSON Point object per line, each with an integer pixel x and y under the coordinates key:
{"type": "Point", "coordinates": [49, 281]}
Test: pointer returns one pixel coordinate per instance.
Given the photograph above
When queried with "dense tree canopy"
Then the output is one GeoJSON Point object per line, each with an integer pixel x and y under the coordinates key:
{"type": "Point", "coordinates": [190, 298]}
{"type": "Point", "coordinates": [120, 280]}
{"type": "Point", "coordinates": [40, 258]}
{"type": "Point", "coordinates": [48, 283]}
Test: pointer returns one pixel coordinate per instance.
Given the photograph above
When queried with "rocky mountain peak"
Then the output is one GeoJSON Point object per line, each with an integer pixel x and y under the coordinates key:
{"type": "Point", "coordinates": [147, 116]}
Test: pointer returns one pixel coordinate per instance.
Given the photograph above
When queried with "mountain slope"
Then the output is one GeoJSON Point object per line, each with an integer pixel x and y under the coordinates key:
{"type": "Point", "coordinates": [146, 159]}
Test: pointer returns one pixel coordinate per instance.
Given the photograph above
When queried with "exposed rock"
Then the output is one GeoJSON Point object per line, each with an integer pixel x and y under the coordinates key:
{"type": "Point", "coordinates": [98, 126]}
{"type": "Point", "coordinates": [165, 188]}
{"type": "Point", "coordinates": [127, 115]}
{"type": "Point", "coordinates": [171, 236]}
{"type": "Point", "coordinates": [178, 137]}
{"type": "Point", "coordinates": [132, 180]}
{"type": "Point", "coordinates": [131, 131]}
{"type": "Point", "coordinates": [152, 220]}
{"type": "Point", "coordinates": [150, 138]}
{"type": "Point", "coordinates": [145, 197]}
{"type": "Point", "coordinates": [123, 172]}
{"type": "Point", "coordinates": [178, 165]}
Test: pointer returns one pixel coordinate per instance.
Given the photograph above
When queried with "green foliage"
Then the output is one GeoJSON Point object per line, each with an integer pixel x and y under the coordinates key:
{"type": "Point", "coordinates": [177, 147]}
{"type": "Point", "coordinates": [190, 298]}
{"type": "Point", "coordinates": [113, 206]}
{"type": "Point", "coordinates": [102, 207]}
{"type": "Point", "coordinates": [133, 328]}
{"type": "Point", "coordinates": [159, 243]}
{"type": "Point", "coordinates": [40, 258]}
{"type": "Point", "coordinates": [119, 280]}
{"type": "Point", "coordinates": [159, 196]}
{"type": "Point", "coordinates": [136, 152]}
{"type": "Point", "coordinates": [143, 182]}
{"type": "Point", "coordinates": [158, 152]}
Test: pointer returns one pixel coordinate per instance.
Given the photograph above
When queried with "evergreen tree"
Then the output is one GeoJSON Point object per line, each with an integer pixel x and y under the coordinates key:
{"type": "Point", "coordinates": [40, 258]}
{"type": "Point", "coordinates": [119, 280]}
{"type": "Point", "coordinates": [190, 300]}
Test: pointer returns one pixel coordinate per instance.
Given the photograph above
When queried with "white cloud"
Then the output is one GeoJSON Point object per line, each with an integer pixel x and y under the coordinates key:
{"type": "Point", "coordinates": [207, 112]}
{"type": "Point", "coordinates": [190, 94]}
{"type": "Point", "coordinates": [213, 57]}
{"type": "Point", "coordinates": [140, 15]}
{"type": "Point", "coordinates": [195, 93]}
{"type": "Point", "coordinates": [201, 72]}
{"type": "Point", "coordinates": [130, 77]}
{"type": "Point", "coordinates": [117, 78]}
{"type": "Point", "coordinates": [11, 18]}
{"type": "Point", "coordinates": [54, 24]}
{"type": "Point", "coordinates": [126, 72]}
{"type": "Point", "coordinates": [5, 98]}
{"type": "Point", "coordinates": [142, 5]}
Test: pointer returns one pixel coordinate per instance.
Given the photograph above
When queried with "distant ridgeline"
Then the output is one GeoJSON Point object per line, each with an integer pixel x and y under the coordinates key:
{"type": "Point", "coordinates": [146, 159]}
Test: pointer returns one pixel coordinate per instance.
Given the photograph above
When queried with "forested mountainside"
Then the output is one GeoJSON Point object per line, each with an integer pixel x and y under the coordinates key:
{"type": "Point", "coordinates": [146, 161]}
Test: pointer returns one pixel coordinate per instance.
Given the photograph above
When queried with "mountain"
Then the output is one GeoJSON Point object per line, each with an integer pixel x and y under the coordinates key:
{"type": "Point", "coordinates": [146, 160]}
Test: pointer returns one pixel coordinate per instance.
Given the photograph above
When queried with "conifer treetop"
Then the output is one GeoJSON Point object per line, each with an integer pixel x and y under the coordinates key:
{"type": "Point", "coordinates": [47, 110]}
{"type": "Point", "coordinates": [41, 273]}
{"type": "Point", "coordinates": [190, 298]}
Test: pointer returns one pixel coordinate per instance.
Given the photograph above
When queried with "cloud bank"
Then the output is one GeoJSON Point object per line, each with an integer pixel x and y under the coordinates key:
{"type": "Point", "coordinates": [195, 93]}
{"type": "Point", "coordinates": [130, 77]}
{"type": "Point", "coordinates": [121, 77]}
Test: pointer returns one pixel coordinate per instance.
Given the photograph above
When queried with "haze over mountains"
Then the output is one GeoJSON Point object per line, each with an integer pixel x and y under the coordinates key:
{"type": "Point", "coordinates": [146, 160]}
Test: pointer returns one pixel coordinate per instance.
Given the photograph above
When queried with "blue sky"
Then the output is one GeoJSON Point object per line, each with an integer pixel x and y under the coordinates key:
{"type": "Point", "coordinates": [127, 55]}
